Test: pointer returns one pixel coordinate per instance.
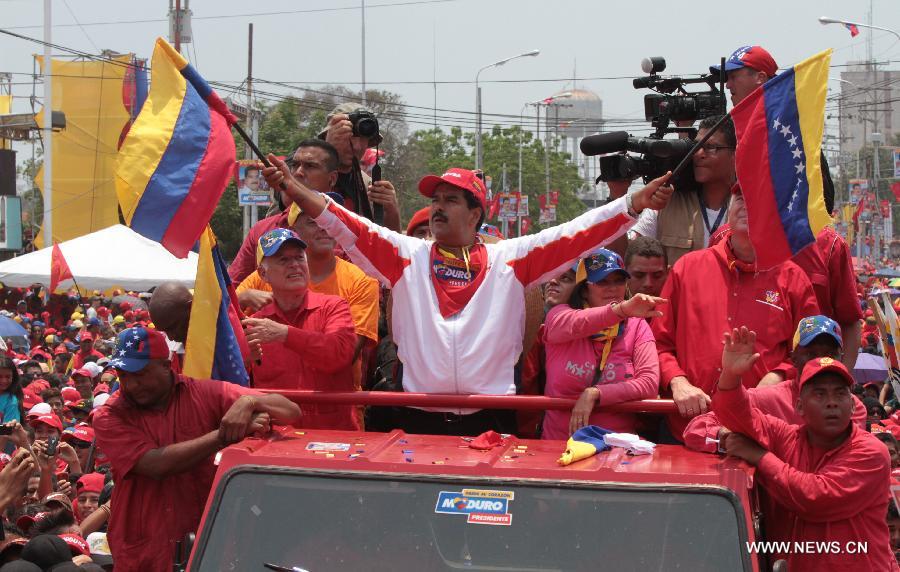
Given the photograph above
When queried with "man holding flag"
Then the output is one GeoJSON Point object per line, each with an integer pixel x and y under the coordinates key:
{"type": "Point", "coordinates": [827, 263]}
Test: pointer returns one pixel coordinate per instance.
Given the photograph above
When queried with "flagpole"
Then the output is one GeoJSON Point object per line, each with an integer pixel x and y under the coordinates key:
{"type": "Point", "coordinates": [251, 144]}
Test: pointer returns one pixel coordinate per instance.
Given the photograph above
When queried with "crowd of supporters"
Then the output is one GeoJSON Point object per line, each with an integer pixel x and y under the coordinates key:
{"type": "Point", "coordinates": [106, 448]}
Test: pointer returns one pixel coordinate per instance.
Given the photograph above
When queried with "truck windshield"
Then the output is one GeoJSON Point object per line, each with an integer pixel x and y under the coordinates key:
{"type": "Point", "coordinates": [357, 522]}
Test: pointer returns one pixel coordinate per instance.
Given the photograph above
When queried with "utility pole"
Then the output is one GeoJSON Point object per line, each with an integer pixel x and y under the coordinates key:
{"type": "Point", "coordinates": [178, 26]}
{"type": "Point", "coordinates": [248, 154]}
{"type": "Point", "coordinates": [48, 126]}
{"type": "Point", "coordinates": [363, 9]}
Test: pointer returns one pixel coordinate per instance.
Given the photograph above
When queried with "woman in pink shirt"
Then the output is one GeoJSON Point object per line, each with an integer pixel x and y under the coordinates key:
{"type": "Point", "coordinates": [599, 348]}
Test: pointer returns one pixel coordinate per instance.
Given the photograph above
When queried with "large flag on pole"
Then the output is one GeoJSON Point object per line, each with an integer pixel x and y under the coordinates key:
{"type": "Point", "coordinates": [178, 156]}
{"type": "Point", "coordinates": [778, 160]}
{"type": "Point", "coordinates": [59, 268]}
{"type": "Point", "coordinates": [216, 345]}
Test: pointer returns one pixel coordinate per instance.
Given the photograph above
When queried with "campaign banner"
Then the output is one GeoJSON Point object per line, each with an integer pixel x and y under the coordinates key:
{"type": "Point", "coordinates": [857, 189]}
{"type": "Point", "coordinates": [897, 162]}
{"type": "Point", "coordinates": [509, 206]}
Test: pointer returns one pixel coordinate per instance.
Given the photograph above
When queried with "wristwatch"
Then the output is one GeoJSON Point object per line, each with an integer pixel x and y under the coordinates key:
{"type": "Point", "coordinates": [629, 204]}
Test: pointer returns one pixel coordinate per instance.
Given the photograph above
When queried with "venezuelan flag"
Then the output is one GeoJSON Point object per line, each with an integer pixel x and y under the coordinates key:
{"type": "Point", "coordinates": [778, 160]}
{"type": "Point", "coordinates": [584, 443]}
{"type": "Point", "coordinates": [177, 158]}
{"type": "Point", "coordinates": [216, 346]}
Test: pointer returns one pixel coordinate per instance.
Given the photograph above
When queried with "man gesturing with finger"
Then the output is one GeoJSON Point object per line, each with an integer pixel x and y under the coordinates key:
{"type": "Point", "coordinates": [458, 311]}
{"type": "Point", "coordinates": [160, 433]}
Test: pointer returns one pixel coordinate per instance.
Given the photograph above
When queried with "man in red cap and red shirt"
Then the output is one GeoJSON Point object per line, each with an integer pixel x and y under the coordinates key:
{"type": "Point", "coordinates": [827, 263]}
{"type": "Point", "coordinates": [86, 349]}
{"type": "Point", "coordinates": [160, 434]}
{"type": "Point", "coordinates": [829, 479]}
{"type": "Point", "coordinates": [456, 296]}
{"type": "Point", "coordinates": [716, 288]}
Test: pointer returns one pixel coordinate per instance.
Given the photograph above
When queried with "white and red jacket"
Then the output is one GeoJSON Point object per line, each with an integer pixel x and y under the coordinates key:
{"type": "Point", "coordinates": [475, 350]}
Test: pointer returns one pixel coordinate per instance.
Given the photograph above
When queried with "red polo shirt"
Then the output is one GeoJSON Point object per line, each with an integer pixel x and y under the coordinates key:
{"type": "Point", "coordinates": [150, 515]}
{"type": "Point", "coordinates": [318, 354]}
{"type": "Point", "coordinates": [821, 496]}
{"type": "Point", "coordinates": [830, 269]}
{"type": "Point", "coordinates": [78, 362]}
{"type": "Point", "coordinates": [709, 295]}
{"type": "Point", "coordinates": [244, 262]}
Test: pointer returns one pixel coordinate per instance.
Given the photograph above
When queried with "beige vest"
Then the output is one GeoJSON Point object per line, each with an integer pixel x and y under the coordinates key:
{"type": "Point", "coordinates": [679, 226]}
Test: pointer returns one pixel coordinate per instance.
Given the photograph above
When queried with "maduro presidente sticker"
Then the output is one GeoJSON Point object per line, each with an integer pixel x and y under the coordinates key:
{"type": "Point", "coordinates": [479, 506]}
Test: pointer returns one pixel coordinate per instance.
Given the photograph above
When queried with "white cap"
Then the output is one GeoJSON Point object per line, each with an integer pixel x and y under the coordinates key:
{"type": "Point", "coordinates": [100, 399]}
{"type": "Point", "coordinates": [40, 409]}
{"type": "Point", "coordinates": [98, 543]}
{"type": "Point", "coordinates": [93, 368]}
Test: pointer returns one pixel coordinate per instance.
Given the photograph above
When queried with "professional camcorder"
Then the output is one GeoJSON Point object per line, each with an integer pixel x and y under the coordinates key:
{"type": "Point", "coordinates": [652, 156]}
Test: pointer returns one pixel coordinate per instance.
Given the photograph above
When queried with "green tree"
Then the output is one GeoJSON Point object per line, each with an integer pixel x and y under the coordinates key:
{"type": "Point", "coordinates": [435, 150]}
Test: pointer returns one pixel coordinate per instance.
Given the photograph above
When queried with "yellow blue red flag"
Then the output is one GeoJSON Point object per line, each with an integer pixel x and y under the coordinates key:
{"type": "Point", "coordinates": [216, 346]}
{"type": "Point", "coordinates": [177, 157]}
{"type": "Point", "coordinates": [778, 160]}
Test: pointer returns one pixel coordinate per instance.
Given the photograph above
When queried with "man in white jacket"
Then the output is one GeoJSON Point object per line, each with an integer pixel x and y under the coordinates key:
{"type": "Point", "coordinates": [458, 304]}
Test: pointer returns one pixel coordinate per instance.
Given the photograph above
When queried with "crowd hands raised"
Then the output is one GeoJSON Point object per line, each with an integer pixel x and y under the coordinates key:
{"type": "Point", "coordinates": [655, 294]}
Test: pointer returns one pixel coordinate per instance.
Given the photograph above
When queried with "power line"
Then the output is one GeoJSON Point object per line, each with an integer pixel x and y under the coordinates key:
{"type": "Point", "coordinates": [245, 15]}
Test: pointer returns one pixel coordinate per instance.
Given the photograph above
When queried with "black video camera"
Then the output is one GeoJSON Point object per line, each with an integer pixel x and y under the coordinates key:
{"type": "Point", "coordinates": [364, 123]}
{"type": "Point", "coordinates": [672, 102]}
{"type": "Point", "coordinates": [654, 154]}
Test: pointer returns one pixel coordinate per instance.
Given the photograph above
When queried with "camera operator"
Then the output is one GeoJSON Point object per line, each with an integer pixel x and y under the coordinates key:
{"type": "Point", "coordinates": [694, 214]}
{"type": "Point", "coordinates": [351, 129]}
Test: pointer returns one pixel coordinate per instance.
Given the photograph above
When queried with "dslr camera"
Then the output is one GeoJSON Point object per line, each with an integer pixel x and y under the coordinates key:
{"type": "Point", "coordinates": [654, 155]}
{"type": "Point", "coordinates": [365, 124]}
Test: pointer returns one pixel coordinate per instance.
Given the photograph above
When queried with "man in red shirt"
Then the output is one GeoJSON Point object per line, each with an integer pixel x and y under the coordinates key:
{"type": "Point", "coordinates": [712, 290]}
{"type": "Point", "coordinates": [160, 436]}
{"type": "Point", "coordinates": [816, 336]}
{"type": "Point", "coordinates": [305, 340]}
{"type": "Point", "coordinates": [829, 479]}
{"type": "Point", "coordinates": [86, 350]}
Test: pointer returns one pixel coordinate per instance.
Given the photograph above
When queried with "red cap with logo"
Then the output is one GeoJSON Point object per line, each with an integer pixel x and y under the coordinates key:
{"type": "Point", "coordinates": [76, 544]}
{"type": "Point", "coordinates": [461, 178]}
{"type": "Point", "coordinates": [825, 365]}
{"type": "Point", "coordinates": [49, 420]}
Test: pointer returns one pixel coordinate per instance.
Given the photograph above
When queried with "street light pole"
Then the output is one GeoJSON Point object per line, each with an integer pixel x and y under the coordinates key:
{"type": "Point", "coordinates": [479, 158]}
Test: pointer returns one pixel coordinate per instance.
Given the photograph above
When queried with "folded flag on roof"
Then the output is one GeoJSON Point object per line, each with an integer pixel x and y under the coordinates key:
{"type": "Point", "coordinates": [584, 443]}
{"type": "Point", "coordinates": [216, 347]}
{"type": "Point", "coordinates": [176, 160]}
{"type": "Point", "coordinates": [778, 160]}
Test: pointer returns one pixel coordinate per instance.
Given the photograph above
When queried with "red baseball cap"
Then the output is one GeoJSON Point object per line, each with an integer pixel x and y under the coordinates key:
{"type": "Point", "coordinates": [25, 521]}
{"type": "Point", "coordinates": [69, 394]}
{"type": "Point", "coordinates": [90, 483]}
{"type": "Point", "coordinates": [81, 432]}
{"type": "Point", "coordinates": [825, 364]}
{"type": "Point", "coordinates": [460, 178]}
{"type": "Point", "coordinates": [103, 311]}
{"type": "Point", "coordinates": [420, 217]}
{"type": "Point", "coordinates": [49, 420]}
{"type": "Point", "coordinates": [755, 57]}
{"type": "Point", "coordinates": [83, 372]}
{"type": "Point", "coordinates": [87, 336]}
{"type": "Point", "coordinates": [76, 544]}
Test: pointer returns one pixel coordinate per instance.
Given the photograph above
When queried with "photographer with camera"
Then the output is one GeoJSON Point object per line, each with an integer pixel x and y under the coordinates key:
{"type": "Point", "coordinates": [352, 129]}
{"type": "Point", "coordinates": [694, 214]}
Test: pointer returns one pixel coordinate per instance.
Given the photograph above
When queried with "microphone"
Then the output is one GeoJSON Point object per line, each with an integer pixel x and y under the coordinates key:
{"type": "Point", "coordinates": [604, 143]}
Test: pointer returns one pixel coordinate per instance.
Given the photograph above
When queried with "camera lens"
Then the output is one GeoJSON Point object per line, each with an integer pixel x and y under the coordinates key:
{"type": "Point", "coordinates": [367, 127]}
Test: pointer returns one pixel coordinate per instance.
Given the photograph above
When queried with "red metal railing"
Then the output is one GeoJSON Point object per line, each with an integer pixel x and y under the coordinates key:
{"type": "Point", "coordinates": [519, 402]}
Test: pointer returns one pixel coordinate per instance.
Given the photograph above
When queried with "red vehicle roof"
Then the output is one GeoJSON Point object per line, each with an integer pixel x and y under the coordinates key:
{"type": "Point", "coordinates": [515, 458]}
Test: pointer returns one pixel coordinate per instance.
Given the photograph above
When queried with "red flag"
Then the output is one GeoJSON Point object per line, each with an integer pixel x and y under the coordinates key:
{"type": "Point", "coordinates": [854, 29]}
{"type": "Point", "coordinates": [59, 268]}
{"type": "Point", "coordinates": [526, 225]}
{"type": "Point", "coordinates": [895, 188]}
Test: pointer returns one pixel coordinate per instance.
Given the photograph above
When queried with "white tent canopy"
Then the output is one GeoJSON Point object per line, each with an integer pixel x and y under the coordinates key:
{"type": "Point", "coordinates": [113, 257]}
